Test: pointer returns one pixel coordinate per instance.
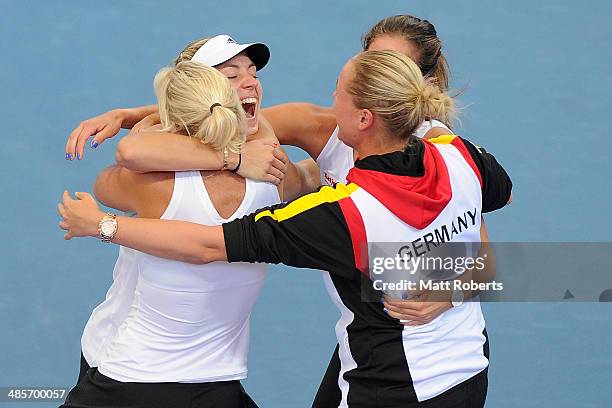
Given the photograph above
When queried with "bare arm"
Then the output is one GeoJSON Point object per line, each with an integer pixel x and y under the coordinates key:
{"type": "Point", "coordinates": [301, 178]}
{"type": "Point", "coordinates": [182, 241]}
{"type": "Point", "coordinates": [114, 187]}
{"type": "Point", "coordinates": [159, 151]}
{"type": "Point", "coordinates": [303, 125]}
{"type": "Point", "coordinates": [104, 127]}
{"type": "Point", "coordinates": [162, 151]}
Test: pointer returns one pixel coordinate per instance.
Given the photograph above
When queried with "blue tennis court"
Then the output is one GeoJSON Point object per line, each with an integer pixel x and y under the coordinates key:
{"type": "Point", "coordinates": [536, 80]}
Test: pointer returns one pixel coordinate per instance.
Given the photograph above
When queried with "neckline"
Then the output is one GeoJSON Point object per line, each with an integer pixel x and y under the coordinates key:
{"type": "Point", "coordinates": [207, 201]}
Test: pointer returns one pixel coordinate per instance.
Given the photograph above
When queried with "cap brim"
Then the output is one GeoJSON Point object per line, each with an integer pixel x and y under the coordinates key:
{"type": "Point", "coordinates": [222, 48]}
{"type": "Point", "coordinates": [258, 53]}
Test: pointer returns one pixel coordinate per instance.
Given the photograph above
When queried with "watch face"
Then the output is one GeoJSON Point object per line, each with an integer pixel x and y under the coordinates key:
{"type": "Point", "coordinates": [107, 228]}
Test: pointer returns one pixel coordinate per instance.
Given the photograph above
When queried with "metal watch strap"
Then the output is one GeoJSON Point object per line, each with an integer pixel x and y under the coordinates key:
{"type": "Point", "coordinates": [104, 238]}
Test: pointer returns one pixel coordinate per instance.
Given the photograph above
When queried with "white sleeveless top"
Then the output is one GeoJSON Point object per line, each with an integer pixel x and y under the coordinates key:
{"type": "Point", "coordinates": [108, 315]}
{"type": "Point", "coordinates": [336, 158]}
{"type": "Point", "coordinates": [184, 323]}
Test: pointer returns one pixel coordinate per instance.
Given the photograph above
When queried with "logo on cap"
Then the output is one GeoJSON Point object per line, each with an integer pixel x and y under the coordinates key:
{"type": "Point", "coordinates": [231, 41]}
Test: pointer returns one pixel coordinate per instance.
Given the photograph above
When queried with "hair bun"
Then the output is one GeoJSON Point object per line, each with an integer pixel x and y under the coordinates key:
{"type": "Point", "coordinates": [428, 92]}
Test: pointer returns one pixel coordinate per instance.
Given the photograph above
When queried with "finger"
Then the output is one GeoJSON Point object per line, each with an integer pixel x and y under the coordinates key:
{"type": "Point", "coordinates": [403, 316]}
{"type": "Point", "coordinates": [71, 143]}
{"type": "Point", "coordinates": [272, 179]}
{"type": "Point", "coordinates": [415, 323]}
{"type": "Point", "coordinates": [61, 210]}
{"type": "Point", "coordinates": [276, 173]}
{"type": "Point", "coordinates": [67, 236]}
{"type": "Point", "coordinates": [405, 313]}
{"type": "Point", "coordinates": [63, 225]}
{"type": "Point", "coordinates": [66, 197]}
{"type": "Point", "coordinates": [82, 140]}
{"type": "Point", "coordinates": [281, 155]}
{"type": "Point", "coordinates": [106, 133]}
{"type": "Point", "coordinates": [411, 307]}
{"type": "Point", "coordinates": [83, 196]}
{"type": "Point", "coordinates": [279, 165]}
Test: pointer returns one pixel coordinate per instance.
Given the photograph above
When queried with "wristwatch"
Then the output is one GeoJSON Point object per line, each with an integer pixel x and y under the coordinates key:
{"type": "Point", "coordinates": [107, 228]}
{"type": "Point", "coordinates": [457, 297]}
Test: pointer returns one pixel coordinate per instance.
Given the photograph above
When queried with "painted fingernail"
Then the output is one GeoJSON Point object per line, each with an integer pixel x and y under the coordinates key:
{"type": "Point", "coordinates": [405, 296]}
{"type": "Point", "coordinates": [385, 310]}
{"type": "Point", "coordinates": [79, 156]}
{"type": "Point", "coordinates": [69, 156]}
{"type": "Point", "coordinates": [94, 144]}
{"type": "Point", "coordinates": [382, 300]}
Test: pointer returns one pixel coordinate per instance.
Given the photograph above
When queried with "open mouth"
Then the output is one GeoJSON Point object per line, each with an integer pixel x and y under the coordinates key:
{"type": "Point", "coordinates": [249, 105]}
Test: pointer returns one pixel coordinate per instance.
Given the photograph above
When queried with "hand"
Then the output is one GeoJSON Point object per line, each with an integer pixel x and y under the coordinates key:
{"type": "Point", "coordinates": [263, 160]}
{"type": "Point", "coordinates": [80, 217]}
{"type": "Point", "coordinates": [420, 309]}
{"type": "Point", "coordinates": [145, 124]}
{"type": "Point", "coordinates": [102, 127]}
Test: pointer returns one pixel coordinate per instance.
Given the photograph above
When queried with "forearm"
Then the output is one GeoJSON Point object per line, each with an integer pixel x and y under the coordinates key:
{"type": "Point", "coordinates": [302, 178]}
{"type": "Point", "coordinates": [178, 240]}
{"type": "Point", "coordinates": [487, 270]}
{"type": "Point", "coordinates": [303, 125]}
{"type": "Point", "coordinates": [157, 151]}
{"type": "Point", "coordinates": [131, 116]}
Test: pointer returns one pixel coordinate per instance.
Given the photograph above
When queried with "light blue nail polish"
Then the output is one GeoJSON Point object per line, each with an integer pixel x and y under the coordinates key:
{"type": "Point", "coordinates": [94, 144]}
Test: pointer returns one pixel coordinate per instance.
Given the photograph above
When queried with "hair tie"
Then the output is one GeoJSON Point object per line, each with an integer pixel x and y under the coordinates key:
{"type": "Point", "coordinates": [213, 106]}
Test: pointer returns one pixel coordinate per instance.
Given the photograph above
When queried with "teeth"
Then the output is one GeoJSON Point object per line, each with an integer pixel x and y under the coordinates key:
{"type": "Point", "coordinates": [248, 100]}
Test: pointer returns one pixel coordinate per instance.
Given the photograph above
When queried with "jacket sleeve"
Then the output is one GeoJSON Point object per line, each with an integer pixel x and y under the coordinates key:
{"type": "Point", "coordinates": [496, 184]}
{"type": "Point", "coordinates": [310, 232]}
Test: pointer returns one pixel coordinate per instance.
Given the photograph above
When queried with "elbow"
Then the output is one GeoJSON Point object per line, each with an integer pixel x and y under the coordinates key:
{"type": "Point", "coordinates": [125, 154]}
{"type": "Point", "coordinates": [203, 256]}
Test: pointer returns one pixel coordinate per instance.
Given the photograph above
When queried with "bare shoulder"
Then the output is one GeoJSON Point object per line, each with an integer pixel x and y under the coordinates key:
{"type": "Point", "coordinates": [153, 192]}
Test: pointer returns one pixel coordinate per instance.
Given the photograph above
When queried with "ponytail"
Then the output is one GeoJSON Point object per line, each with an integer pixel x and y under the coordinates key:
{"type": "Point", "coordinates": [199, 101]}
{"type": "Point", "coordinates": [392, 86]}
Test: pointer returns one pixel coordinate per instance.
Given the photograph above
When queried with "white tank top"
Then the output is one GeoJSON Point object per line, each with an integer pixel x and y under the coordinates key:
{"type": "Point", "coordinates": [184, 323]}
{"type": "Point", "coordinates": [108, 315]}
{"type": "Point", "coordinates": [336, 158]}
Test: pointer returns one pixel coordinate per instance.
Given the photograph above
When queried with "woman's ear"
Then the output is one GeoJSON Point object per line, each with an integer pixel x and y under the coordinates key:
{"type": "Point", "coordinates": [366, 119]}
{"type": "Point", "coordinates": [431, 80]}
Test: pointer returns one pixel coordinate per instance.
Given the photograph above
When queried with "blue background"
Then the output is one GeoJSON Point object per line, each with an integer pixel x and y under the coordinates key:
{"type": "Point", "coordinates": [537, 85]}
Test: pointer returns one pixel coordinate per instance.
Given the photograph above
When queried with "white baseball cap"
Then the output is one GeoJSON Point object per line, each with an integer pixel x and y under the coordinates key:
{"type": "Point", "coordinates": [222, 48]}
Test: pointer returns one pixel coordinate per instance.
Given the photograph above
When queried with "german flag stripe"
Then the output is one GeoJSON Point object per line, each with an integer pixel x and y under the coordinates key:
{"type": "Point", "coordinates": [458, 143]}
{"type": "Point", "coordinates": [326, 194]}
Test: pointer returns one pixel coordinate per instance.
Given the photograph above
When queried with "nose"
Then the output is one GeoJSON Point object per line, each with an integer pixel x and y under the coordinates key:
{"type": "Point", "coordinates": [248, 82]}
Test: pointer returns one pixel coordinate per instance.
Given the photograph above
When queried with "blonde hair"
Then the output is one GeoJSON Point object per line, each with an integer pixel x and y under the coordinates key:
{"type": "Point", "coordinates": [190, 50]}
{"type": "Point", "coordinates": [391, 85]}
{"type": "Point", "coordinates": [199, 101]}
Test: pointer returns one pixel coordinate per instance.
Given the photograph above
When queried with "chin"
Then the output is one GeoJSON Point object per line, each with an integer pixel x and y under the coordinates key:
{"type": "Point", "coordinates": [252, 127]}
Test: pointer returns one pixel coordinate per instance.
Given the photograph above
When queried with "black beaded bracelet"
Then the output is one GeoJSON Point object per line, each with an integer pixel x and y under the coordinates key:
{"type": "Point", "coordinates": [239, 163]}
